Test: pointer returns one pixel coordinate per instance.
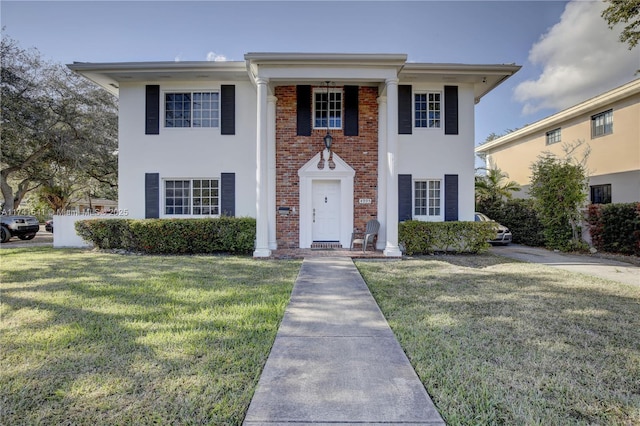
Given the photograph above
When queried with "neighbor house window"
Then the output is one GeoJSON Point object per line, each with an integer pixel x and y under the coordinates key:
{"type": "Point", "coordinates": [601, 194]}
{"type": "Point", "coordinates": [553, 136]}
{"type": "Point", "coordinates": [602, 124]}
{"type": "Point", "coordinates": [192, 197]}
{"type": "Point", "coordinates": [427, 198]}
{"type": "Point", "coordinates": [191, 109]}
{"type": "Point", "coordinates": [327, 109]}
{"type": "Point", "coordinates": [427, 107]}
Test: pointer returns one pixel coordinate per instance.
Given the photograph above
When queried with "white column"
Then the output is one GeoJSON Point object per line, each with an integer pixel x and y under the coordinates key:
{"type": "Point", "coordinates": [382, 170]}
{"type": "Point", "coordinates": [271, 149]}
{"type": "Point", "coordinates": [392, 249]}
{"type": "Point", "coordinates": [262, 199]}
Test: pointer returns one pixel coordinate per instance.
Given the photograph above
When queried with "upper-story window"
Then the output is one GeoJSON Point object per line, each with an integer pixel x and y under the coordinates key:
{"type": "Point", "coordinates": [602, 124]}
{"type": "Point", "coordinates": [553, 136]}
{"type": "Point", "coordinates": [191, 109]}
{"type": "Point", "coordinates": [427, 107]}
{"type": "Point", "coordinates": [426, 198]}
{"type": "Point", "coordinates": [327, 109]}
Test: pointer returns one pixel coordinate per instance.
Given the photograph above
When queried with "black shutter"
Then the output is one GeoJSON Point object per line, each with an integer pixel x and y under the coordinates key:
{"type": "Point", "coordinates": [405, 123]}
{"type": "Point", "coordinates": [227, 109]}
{"type": "Point", "coordinates": [152, 110]}
{"type": "Point", "coordinates": [152, 195]}
{"type": "Point", "coordinates": [450, 110]}
{"type": "Point", "coordinates": [450, 198]}
{"type": "Point", "coordinates": [303, 110]}
{"type": "Point", "coordinates": [351, 110]}
{"type": "Point", "coordinates": [228, 194]}
{"type": "Point", "coordinates": [405, 197]}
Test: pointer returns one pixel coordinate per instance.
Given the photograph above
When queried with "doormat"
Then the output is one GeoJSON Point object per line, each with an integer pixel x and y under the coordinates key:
{"type": "Point", "coordinates": [326, 245]}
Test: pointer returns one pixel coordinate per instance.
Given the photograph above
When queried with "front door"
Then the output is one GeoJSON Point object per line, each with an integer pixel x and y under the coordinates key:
{"type": "Point", "coordinates": [326, 210]}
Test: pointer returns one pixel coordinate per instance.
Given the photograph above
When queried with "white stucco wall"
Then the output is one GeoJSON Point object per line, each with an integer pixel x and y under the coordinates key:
{"type": "Point", "coordinates": [64, 231]}
{"type": "Point", "coordinates": [430, 154]}
{"type": "Point", "coordinates": [185, 153]}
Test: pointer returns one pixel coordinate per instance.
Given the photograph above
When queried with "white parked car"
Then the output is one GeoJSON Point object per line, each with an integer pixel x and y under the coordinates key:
{"type": "Point", "coordinates": [503, 237]}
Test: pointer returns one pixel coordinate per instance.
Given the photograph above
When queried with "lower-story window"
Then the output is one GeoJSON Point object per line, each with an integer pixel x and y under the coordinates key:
{"type": "Point", "coordinates": [601, 194]}
{"type": "Point", "coordinates": [192, 197]}
{"type": "Point", "coordinates": [427, 198]}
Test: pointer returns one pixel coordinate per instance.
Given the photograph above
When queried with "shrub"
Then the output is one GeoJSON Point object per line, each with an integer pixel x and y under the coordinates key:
{"type": "Point", "coordinates": [521, 217]}
{"type": "Point", "coordinates": [171, 236]}
{"type": "Point", "coordinates": [615, 228]}
{"type": "Point", "coordinates": [419, 237]}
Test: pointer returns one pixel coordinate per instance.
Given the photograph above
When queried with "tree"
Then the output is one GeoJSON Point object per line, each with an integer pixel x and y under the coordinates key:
{"type": "Point", "coordinates": [54, 123]}
{"type": "Point", "coordinates": [559, 189]}
{"type": "Point", "coordinates": [493, 188]}
{"type": "Point", "coordinates": [627, 12]}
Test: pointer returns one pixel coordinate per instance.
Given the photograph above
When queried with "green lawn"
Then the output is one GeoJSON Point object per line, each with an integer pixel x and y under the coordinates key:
{"type": "Point", "coordinates": [92, 338]}
{"type": "Point", "coordinates": [500, 342]}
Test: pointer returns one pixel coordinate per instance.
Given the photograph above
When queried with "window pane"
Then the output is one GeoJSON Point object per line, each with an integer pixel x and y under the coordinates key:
{"type": "Point", "coordinates": [206, 202]}
{"type": "Point", "coordinates": [177, 197]}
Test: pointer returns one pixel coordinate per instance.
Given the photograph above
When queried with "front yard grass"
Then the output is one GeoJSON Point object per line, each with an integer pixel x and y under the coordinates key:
{"type": "Point", "coordinates": [501, 342]}
{"type": "Point", "coordinates": [92, 338]}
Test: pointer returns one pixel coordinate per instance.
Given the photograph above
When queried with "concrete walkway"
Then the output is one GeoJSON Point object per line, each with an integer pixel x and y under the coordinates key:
{"type": "Point", "coordinates": [335, 360]}
{"type": "Point", "coordinates": [603, 268]}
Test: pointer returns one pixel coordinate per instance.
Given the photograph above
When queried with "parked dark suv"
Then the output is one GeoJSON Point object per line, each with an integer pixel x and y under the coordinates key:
{"type": "Point", "coordinates": [23, 227]}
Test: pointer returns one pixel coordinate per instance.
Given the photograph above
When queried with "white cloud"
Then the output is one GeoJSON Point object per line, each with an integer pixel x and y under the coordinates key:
{"type": "Point", "coordinates": [213, 56]}
{"type": "Point", "coordinates": [580, 58]}
{"type": "Point", "coordinates": [178, 57]}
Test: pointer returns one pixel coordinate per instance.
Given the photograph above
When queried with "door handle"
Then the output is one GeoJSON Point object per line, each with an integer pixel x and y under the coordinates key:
{"type": "Point", "coordinates": [314, 215]}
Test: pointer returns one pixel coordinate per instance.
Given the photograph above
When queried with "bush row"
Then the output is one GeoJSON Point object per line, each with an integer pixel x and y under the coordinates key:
{"type": "Point", "coordinates": [171, 236]}
{"type": "Point", "coordinates": [615, 228]}
{"type": "Point", "coordinates": [419, 237]}
{"type": "Point", "coordinates": [520, 216]}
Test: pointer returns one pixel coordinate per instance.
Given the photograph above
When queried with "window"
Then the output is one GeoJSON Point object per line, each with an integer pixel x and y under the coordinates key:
{"type": "Point", "coordinates": [553, 136]}
{"type": "Point", "coordinates": [602, 124]}
{"type": "Point", "coordinates": [191, 109]}
{"type": "Point", "coordinates": [427, 109]}
{"type": "Point", "coordinates": [427, 198]}
{"type": "Point", "coordinates": [327, 111]}
{"type": "Point", "coordinates": [192, 197]}
{"type": "Point", "coordinates": [601, 194]}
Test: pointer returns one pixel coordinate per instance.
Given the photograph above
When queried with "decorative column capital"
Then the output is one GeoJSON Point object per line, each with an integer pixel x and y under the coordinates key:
{"type": "Point", "coordinates": [262, 80]}
{"type": "Point", "coordinates": [391, 82]}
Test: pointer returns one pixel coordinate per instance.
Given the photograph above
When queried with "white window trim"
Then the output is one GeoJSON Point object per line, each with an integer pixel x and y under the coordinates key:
{"type": "Point", "coordinates": [553, 132]}
{"type": "Point", "coordinates": [190, 215]}
{"type": "Point", "coordinates": [163, 111]}
{"type": "Point", "coordinates": [602, 114]}
{"type": "Point", "coordinates": [413, 110]}
{"type": "Point", "coordinates": [313, 106]}
{"type": "Point", "coordinates": [427, 217]}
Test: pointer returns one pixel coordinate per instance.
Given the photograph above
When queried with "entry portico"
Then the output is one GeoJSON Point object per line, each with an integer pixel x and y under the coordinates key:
{"type": "Point", "coordinates": [269, 70]}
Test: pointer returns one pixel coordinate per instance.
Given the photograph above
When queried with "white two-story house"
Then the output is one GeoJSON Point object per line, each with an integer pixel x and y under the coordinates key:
{"type": "Point", "coordinates": [200, 139]}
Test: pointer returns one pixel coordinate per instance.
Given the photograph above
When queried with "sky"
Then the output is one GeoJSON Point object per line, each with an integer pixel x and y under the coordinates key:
{"type": "Point", "coordinates": [566, 50]}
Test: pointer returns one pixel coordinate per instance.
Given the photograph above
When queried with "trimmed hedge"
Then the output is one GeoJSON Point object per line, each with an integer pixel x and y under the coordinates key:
{"type": "Point", "coordinates": [419, 237]}
{"type": "Point", "coordinates": [171, 236]}
{"type": "Point", "coordinates": [615, 228]}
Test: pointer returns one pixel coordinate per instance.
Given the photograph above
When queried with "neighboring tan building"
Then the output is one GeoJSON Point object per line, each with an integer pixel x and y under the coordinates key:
{"type": "Point", "coordinates": [203, 139]}
{"type": "Point", "coordinates": [609, 124]}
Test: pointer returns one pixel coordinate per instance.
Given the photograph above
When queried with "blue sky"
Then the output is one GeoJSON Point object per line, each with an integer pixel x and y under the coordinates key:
{"type": "Point", "coordinates": [567, 52]}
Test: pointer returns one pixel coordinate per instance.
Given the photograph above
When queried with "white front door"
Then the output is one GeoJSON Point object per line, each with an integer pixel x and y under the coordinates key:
{"type": "Point", "coordinates": [326, 210]}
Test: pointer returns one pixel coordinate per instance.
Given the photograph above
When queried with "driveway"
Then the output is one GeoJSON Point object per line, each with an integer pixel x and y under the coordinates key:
{"type": "Point", "coordinates": [604, 268]}
{"type": "Point", "coordinates": [42, 239]}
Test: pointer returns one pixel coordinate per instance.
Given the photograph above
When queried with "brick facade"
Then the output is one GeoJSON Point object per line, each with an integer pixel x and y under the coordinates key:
{"type": "Point", "coordinates": [292, 152]}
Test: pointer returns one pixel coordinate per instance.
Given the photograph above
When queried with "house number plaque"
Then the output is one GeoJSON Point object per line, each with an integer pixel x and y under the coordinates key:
{"type": "Point", "coordinates": [365, 200]}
